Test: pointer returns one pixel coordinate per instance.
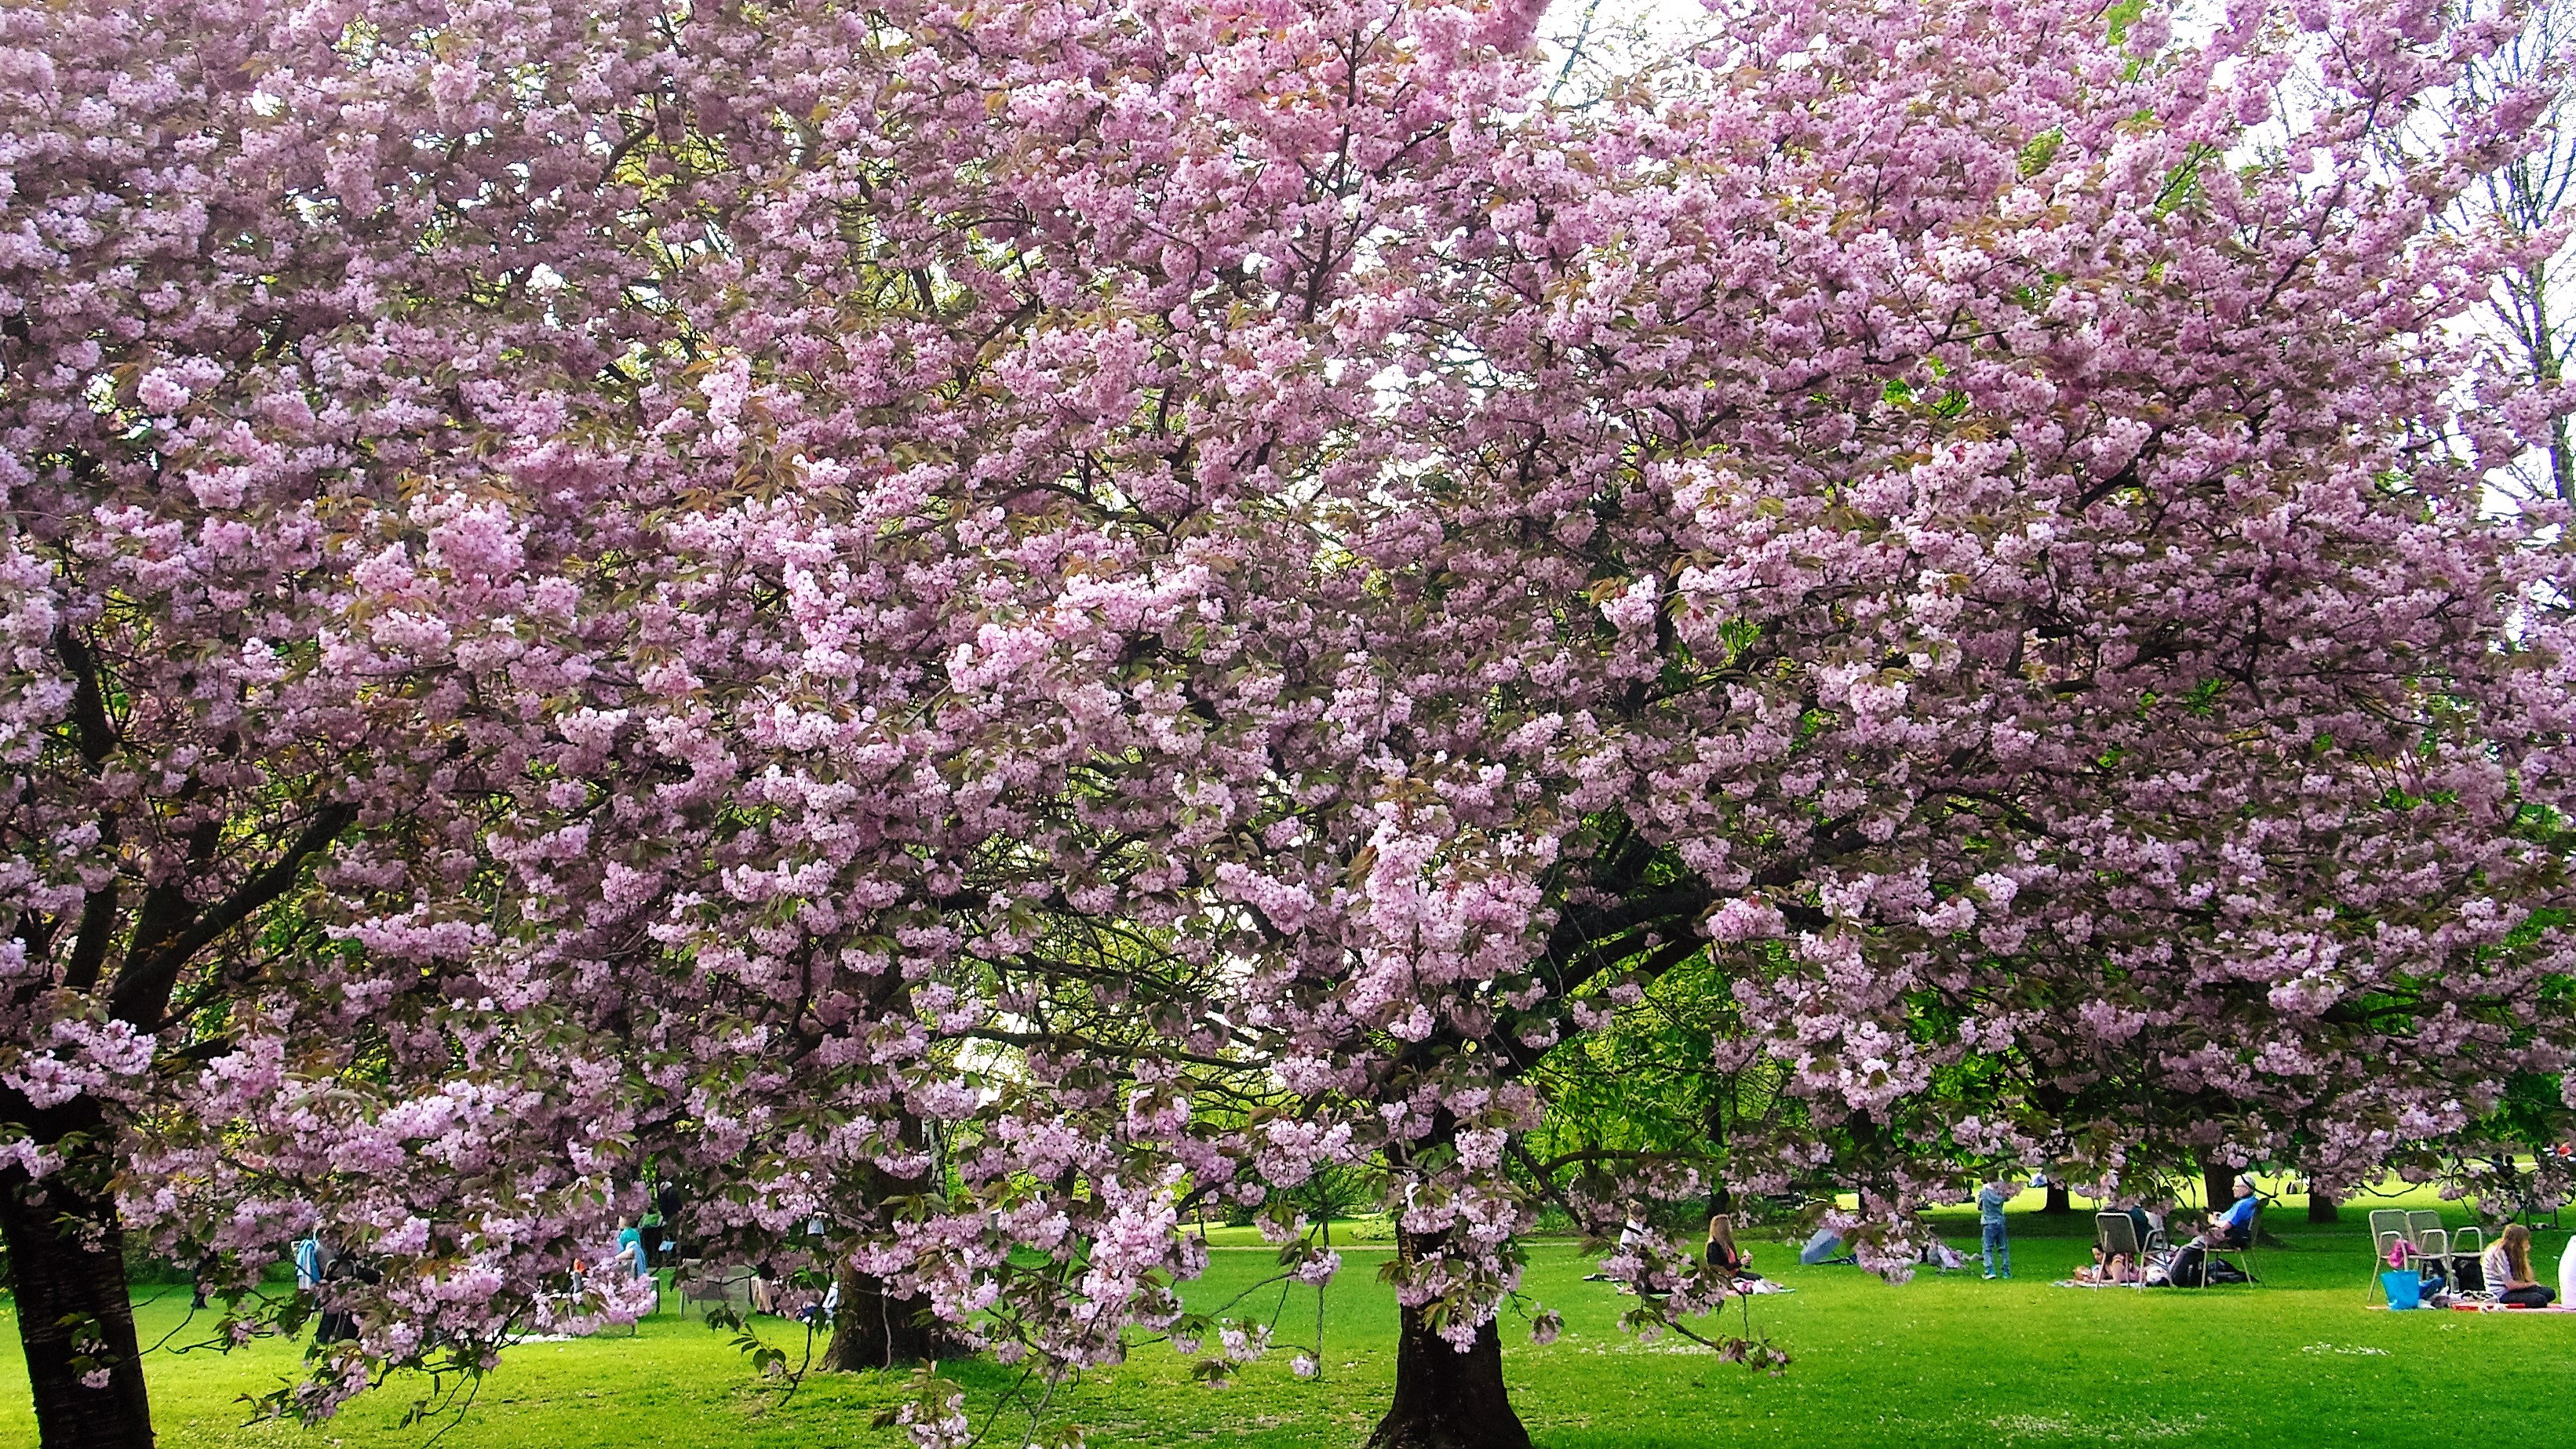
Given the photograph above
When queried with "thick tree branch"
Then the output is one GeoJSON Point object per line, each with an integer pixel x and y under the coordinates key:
{"type": "Point", "coordinates": [152, 966]}
{"type": "Point", "coordinates": [98, 737]}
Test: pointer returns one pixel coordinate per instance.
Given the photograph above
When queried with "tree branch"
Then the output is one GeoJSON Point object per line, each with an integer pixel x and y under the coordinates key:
{"type": "Point", "coordinates": [152, 966]}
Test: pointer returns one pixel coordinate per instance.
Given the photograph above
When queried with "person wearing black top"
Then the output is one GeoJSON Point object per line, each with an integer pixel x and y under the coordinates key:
{"type": "Point", "coordinates": [666, 1206]}
{"type": "Point", "coordinates": [1725, 1257]}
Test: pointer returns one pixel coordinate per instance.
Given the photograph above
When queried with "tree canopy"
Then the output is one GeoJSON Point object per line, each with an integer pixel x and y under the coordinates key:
{"type": "Point", "coordinates": [971, 629]}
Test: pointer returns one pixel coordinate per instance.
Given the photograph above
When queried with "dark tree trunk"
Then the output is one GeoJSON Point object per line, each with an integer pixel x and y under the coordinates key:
{"type": "Point", "coordinates": [872, 1329]}
{"type": "Point", "coordinates": [2322, 1207]}
{"type": "Point", "coordinates": [2217, 1186]}
{"type": "Point", "coordinates": [75, 1316]}
{"type": "Point", "coordinates": [2058, 1202]}
{"type": "Point", "coordinates": [1445, 1399]}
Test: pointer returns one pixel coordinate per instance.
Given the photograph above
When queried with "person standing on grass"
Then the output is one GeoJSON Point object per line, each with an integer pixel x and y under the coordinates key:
{"type": "Point", "coordinates": [2506, 1266]}
{"type": "Point", "coordinates": [1990, 1217]}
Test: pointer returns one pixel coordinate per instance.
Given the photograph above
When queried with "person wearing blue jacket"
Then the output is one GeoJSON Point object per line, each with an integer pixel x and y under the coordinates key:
{"type": "Point", "coordinates": [1990, 1218]}
{"type": "Point", "coordinates": [2234, 1227]}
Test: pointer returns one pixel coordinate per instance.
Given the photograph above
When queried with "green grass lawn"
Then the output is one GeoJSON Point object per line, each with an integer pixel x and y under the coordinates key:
{"type": "Point", "coordinates": [1940, 1361]}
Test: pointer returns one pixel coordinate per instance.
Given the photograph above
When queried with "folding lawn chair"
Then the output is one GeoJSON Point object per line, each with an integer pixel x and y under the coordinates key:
{"type": "Point", "coordinates": [2432, 1241]}
{"type": "Point", "coordinates": [2253, 1230]}
{"type": "Point", "coordinates": [2388, 1234]}
{"type": "Point", "coordinates": [2433, 1246]}
{"type": "Point", "coordinates": [2117, 1233]}
{"type": "Point", "coordinates": [2469, 1245]}
{"type": "Point", "coordinates": [2390, 1250]}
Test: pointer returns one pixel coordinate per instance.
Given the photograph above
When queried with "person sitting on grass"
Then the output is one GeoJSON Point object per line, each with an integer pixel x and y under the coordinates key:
{"type": "Point", "coordinates": [1726, 1258]}
{"type": "Point", "coordinates": [2506, 1267]}
{"type": "Point", "coordinates": [1632, 1233]}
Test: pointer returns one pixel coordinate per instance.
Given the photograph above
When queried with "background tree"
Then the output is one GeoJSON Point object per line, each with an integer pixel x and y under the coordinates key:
{"type": "Point", "coordinates": [321, 618]}
{"type": "Point", "coordinates": [2523, 207]}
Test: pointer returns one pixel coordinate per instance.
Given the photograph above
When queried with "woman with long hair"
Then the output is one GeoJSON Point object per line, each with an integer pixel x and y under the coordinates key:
{"type": "Point", "coordinates": [1725, 1257]}
{"type": "Point", "coordinates": [2506, 1267]}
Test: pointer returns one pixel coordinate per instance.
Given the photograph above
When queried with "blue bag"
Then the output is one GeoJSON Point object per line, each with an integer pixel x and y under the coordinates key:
{"type": "Point", "coordinates": [2405, 1290]}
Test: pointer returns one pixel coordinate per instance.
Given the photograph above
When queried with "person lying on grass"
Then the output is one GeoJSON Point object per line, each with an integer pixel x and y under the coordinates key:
{"type": "Point", "coordinates": [2118, 1270]}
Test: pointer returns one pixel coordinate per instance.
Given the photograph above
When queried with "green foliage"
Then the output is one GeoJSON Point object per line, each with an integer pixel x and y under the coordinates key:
{"type": "Point", "coordinates": [2041, 150]}
{"type": "Point", "coordinates": [1648, 1085]}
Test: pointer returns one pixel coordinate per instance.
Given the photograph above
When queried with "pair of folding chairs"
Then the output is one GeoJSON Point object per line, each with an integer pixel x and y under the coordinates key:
{"type": "Point", "coordinates": [2419, 1240]}
{"type": "Point", "coordinates": [2119, 1239]}
{"type": "Point", "coordinates": [2117, 1233]}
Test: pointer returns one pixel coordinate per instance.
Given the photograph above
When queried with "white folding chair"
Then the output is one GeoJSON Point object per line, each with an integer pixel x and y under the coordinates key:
{"type": "Point", "coordinates": [2390, 1250]}
{"type": "Point", "coordinates": [2424, 1229]}
{"type": "Point", "coordinates": [2469, 1245]}
{"type": "Point", "coordinates": [2433, 1245]}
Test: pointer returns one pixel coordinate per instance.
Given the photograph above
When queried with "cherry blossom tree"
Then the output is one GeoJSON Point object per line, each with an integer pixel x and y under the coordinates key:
{"type": "Point", "coordinates": [457, 458]}
{"type": "Point", "coordinates": [1951, 516]}
{"type": "Point", "coordinates": [975, 628]}
{"type": "Point", "coordinates": [1956, 519]}
{"type": "Point", "coordinates": [320, 615]}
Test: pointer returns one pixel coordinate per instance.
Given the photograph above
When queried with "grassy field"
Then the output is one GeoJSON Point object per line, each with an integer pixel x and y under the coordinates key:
{"type": "Point", "coordinates": [1940, 1361]}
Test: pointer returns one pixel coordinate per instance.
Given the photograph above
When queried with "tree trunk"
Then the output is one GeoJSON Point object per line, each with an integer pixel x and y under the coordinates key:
{"type": "Point", "coordinates": [2058, 1202]}
{"type": "Point", "coordinates": [2322, 1207]}
{"type": "Point", "coordinates": [75, 1315]}
{"type": "Point", "coordinates": [1445, 1399]}
{"type": "Point", "coordinates": [2217, 1186]}
{"type": "Point", "coordinates": [872, 1329]}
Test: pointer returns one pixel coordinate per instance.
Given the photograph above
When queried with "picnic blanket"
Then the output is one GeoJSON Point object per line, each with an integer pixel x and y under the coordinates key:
{"type": "Point", "coordinates": [2466, 1307]}
{"type": "Point", "coordinates": [2511, 1308]}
